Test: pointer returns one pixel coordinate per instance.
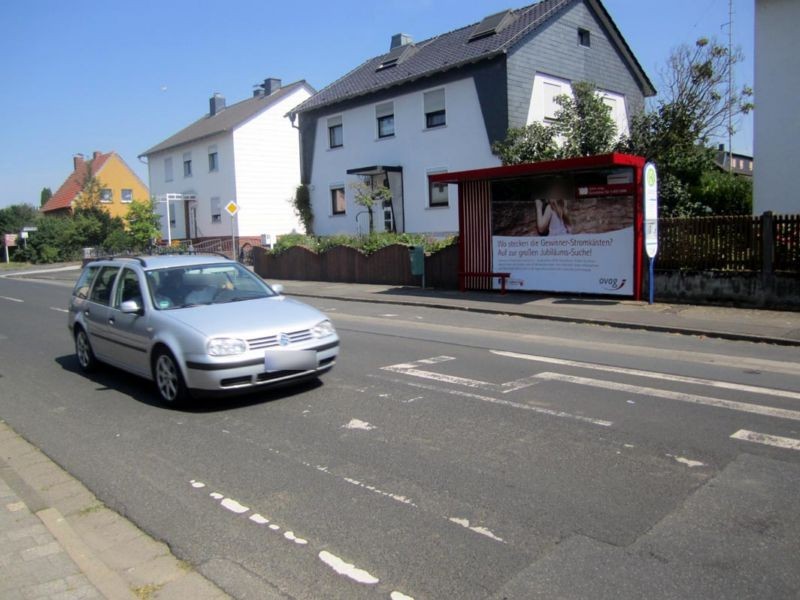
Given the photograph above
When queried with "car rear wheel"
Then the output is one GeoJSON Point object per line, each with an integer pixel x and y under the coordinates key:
{"type": "Point", "coordinates": [169, 380]}
{"type": "Point", "coordinates": [84, 352]}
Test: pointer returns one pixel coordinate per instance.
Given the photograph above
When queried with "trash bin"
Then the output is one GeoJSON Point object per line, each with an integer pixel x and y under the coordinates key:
{"type": "Point", "coordinates": [416, 255]}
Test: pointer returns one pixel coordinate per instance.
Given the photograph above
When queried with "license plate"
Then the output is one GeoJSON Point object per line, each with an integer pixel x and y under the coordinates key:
{"type": "Point", "coordinates": [290, 360]}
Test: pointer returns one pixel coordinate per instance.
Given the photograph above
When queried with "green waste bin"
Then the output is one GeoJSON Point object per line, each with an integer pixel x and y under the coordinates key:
{"type": "Point", "coordinates": [417, 256]}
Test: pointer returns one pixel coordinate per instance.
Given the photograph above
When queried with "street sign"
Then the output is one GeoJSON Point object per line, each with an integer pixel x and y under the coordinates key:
{"type": "Point", "coordinates": [232, 208]}
{"type": "Point", "coordinates": [650, 210]}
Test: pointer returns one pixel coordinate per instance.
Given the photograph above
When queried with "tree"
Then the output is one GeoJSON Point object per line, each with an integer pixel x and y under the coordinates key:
{"type": "Point", "coordinates": [91, 193]}
{"type": "Point", "coordinates": [584, 122]}
{"type": "Point", "coordinates": [723, 193]}
{"type": "Point", "coordinates": [367, 195]}
{"type": "Point", "coordinates": [692, 110]}
{"type": "Point", "coordinates": [143, 223]}
{"type": "Point", "coordinates": [583, 126]}
{"type": "Point", "coordinates": [13, 218]}
{"type": "Point", "coordinates": [302, 208]}
{"type": "Point", "coordinates": [45, 195]}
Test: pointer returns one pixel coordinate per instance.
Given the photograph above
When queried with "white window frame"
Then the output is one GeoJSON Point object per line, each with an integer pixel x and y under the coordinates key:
{"type": "Point", "coordinates": [215, 204]}
{"type": "Point", "coordinates": [106, 196]}
{"type": "Point", "coordinates": [429, 189]}
{"type": "Point", "coordinates": [331, 122]}
{"type": "Point", "coordinates": [384, 110]}
{"type": "Point", "coordinates": [212, 151]}
{"type": "Point", "coordinates": [122, 195]}
{"type": "Point", "coordinates": [187, 165]}
{"type": "Point", "coordinates": [334, 187]}
{"type": "Point", "coordinates": [431, 106]}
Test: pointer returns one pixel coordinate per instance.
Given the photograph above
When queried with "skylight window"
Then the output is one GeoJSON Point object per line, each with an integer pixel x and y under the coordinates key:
{"type": "Point", "coordinates": [396, 56]}
{"type": "Point", "coordinates": [491, 25]}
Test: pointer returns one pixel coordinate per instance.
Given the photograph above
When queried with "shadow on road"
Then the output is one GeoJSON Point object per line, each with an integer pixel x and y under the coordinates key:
{"type": "Point", "coordinates": [108, 378]}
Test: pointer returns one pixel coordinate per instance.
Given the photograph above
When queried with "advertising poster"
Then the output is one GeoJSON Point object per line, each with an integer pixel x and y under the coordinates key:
{"type": "Point", "coordinates": [570, 233]}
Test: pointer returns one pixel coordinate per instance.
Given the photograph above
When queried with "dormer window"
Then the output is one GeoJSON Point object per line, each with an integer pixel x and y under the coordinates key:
{"type": "Point", "coordinates": [396, 56]}
{"type": "Point", "coordinates": [491, 25]}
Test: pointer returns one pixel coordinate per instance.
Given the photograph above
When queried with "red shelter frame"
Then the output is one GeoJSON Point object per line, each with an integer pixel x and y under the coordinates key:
{"type": "Point", "coordinates": [474, 208]}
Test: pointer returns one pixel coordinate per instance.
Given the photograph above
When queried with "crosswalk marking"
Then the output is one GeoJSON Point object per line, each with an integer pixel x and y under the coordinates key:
{"type": "Point", "coordinates": [503, 388]}
{"type": "Point", "coordinates": [670, 395]}
{"type": "Point", "coordinates": [767, 439]}
{"type": "Point", "coordinates": [752, 389]}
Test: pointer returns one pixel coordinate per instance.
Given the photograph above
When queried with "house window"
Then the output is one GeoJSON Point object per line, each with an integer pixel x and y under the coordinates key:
{"type": "Point", "coordinates": [584, 38]}
{"type": "Point", "coordinates": [187, 164]}
{"type": "Point", "coordinates": [384, 113]}
{"type": "Point", "coordinates": [127, 195]}
{"type": "Point", "coordinates": [335, 132]}
{"type": "Point", "coordinates": [213, 159]}
{"type": "Point", "coordinates": [435, 115]}
{"type": "Point", "coordinates": [106, 195]}
{"type": "Point", "coordinates": [338, 201]}
{"type": "Point", "coordinates": [551, 91]}
{"type": "Point", "coordinates": [438, 195]}
{"type": "Point", "coordinates": [216, 210]}
{"type": "Point", "coordinates": [168, 169]}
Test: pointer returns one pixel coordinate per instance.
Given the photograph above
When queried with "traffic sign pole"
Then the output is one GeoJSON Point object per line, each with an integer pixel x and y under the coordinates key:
{"type": "Point", "coordinates": [233, 209]}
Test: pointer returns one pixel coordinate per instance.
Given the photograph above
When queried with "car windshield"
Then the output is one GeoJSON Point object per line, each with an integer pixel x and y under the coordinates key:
{"type": "Point", "coordinates": [182, 287]}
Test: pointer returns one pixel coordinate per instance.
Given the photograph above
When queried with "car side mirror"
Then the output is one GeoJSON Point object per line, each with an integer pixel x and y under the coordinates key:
{"type": "Point", "coordinates": [277, 288]}
{"type": "Point", "coordinates": [131, 307]}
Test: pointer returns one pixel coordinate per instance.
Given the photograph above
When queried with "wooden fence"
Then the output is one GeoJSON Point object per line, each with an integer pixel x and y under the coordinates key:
{"type": "Point", "coordinates": [767, 243]}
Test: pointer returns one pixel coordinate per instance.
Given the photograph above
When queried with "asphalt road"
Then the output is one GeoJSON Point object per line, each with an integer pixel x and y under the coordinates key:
{"type": "Point", "coordinates": [448, 455]}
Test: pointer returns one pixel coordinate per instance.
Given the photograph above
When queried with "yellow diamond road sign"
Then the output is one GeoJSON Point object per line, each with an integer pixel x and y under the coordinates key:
{"type": "Point", "coordinates": [232, 208]}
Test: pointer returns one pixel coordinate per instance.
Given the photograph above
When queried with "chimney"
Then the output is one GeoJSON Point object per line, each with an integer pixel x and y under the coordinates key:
{"type": "Point", "coordinates": [95, 154]}
{"type": "Point", "coordinates": [400, 39]}
{"type": "Point", "coordinates": [216, 104]}
{"type": "Point", "coordinates": [271, 84]}
{"type": "Point", "coordinates": [77, 161]}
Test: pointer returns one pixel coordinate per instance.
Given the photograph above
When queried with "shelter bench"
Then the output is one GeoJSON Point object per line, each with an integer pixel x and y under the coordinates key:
{"type": "Point", "coordinates": [462, 275]}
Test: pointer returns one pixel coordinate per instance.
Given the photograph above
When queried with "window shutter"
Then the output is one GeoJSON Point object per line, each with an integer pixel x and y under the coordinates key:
{"type": "Point", "coordinates": [434, 101]}
{"type": "Point", "coordinates": [334, 121]}
{"type": "Point", "coordinates": [384, 110]}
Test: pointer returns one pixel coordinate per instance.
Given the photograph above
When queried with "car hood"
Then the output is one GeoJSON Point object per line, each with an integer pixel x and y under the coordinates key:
{"type": "Point", "coordinates": [249, 318]}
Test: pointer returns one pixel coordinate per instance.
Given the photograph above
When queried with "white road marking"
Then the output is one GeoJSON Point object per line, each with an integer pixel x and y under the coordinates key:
{"type": "Point", "coordinates": [359, 424]}
{"type": "Point", "coordinates": [10, 299]}
{"type": "Point", "coordinates": [233, 506]}
{"type": "Point", "coordinates": [390, 315]}
{"type": "Point", "coordinates": [197, 484]}
{"type": "Point", "coordinates": [257, 518]}
{"type": "Point", "coordinates": [216, 495]}
{"type": "Point", "coordinates": [372, 488]}
{"type": "Point", "coordinates": [767, 439]}
{"type": "Point", "coordinates": [753, 389]}
{"type": "Point", "coordinates": [399, 596]}
{"type": "Point", "coordinates": [755, 409]}
{"type": "Point", "coordinates": [502, 402]}
{"type": "Point", "coordinates": [412, 370]}
{"type": "Point", "coordinates": [274, 527]}
{"type": "Point", "coordinates": [61, 310]}
{"type": "Point", "coordinates": [687, 461]}
{"type": "Point", "coordinates": [289, 535]}
{"type": "Point", "coordinates": [347, 569]}
{"type": "Point", "coordinates": [482, 530]}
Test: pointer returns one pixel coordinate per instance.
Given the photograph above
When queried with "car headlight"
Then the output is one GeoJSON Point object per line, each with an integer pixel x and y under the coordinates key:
{"type": "Point", "coordinates": [323, 329]}
{"type": "Point", "coordinates": [226, 346]}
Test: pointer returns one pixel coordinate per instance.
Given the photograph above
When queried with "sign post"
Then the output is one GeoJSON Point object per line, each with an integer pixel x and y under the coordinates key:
{"type": "Point", "coordinates": [651, 220]}
{"type": "Point", "coordinates": [232, 208]}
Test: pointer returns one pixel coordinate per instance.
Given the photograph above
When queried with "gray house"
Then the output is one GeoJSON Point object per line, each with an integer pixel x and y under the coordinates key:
{"type": "Point", "coordinates": [439, 104]}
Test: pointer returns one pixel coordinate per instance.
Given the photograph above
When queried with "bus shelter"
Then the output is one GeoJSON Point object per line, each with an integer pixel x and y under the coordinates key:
{"type": "Point", "coordinates": [565, 226]}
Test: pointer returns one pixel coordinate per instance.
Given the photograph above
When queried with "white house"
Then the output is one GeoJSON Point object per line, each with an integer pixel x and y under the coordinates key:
{"type": "Point", "coordinates": [247, 152]}
{"type": "Point", "coordinates": [776, 126]}
{"type": "Point", "coordinates": [439, 105]}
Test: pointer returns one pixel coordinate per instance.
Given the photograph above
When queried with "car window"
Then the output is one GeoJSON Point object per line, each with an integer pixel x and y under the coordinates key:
{"type": "Point", "coordinates": [128, 288]}
{"type": "Point", "coordinates": [101, 290]}
{"type": "Point", "coordinates": [81, 289]}
{"type": "Point", "coordinates": [179, 287]}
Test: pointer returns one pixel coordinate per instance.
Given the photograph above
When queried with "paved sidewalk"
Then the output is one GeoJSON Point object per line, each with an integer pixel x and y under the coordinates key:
{"type": "Point", "coordinates": [777, 327]}
{"type": "Point", "coordinates": [770, 326]}
{"type": "Point", "coordinates": [58, 541]}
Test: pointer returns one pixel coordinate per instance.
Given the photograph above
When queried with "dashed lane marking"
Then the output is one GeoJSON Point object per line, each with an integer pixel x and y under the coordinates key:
{"type": "Point", "coordinates": [767, 439]}
{"type": "Point", "coordinates": [755, 409]}
{"type": "Point", "coordinates": [752, 389]}
{"type": "Point", "coordinates": [10, 299]}
{"type": "Point", "coordinates": [62, 310]}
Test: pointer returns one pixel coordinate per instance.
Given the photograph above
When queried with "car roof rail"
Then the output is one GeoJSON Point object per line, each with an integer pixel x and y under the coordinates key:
{"type": "Point", "coordinates": [139, 259]}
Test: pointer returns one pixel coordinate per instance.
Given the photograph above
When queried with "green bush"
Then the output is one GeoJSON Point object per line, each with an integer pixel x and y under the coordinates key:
{"type": "Point", "coordinates": [365, 243]}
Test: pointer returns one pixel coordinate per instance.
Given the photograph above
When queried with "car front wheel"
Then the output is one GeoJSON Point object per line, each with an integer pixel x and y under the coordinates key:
{"type": "Point", "coordinates": [169, 380]}
{"type": "Point", "coordinates": [84, 352]}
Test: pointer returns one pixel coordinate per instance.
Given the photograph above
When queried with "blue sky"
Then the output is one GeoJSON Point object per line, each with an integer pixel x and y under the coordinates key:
{"type": "Point", "coordinates": [85, 76]}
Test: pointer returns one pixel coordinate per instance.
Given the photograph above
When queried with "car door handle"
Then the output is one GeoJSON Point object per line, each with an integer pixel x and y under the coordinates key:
{"type": "Point", "coordinates": [111, 321]}
{"type": "Point", "coordinates": [87, 313]}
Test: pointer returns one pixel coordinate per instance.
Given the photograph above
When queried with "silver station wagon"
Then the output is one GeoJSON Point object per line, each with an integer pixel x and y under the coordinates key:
{"type": "Point", "coordinates": [196, 325]}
